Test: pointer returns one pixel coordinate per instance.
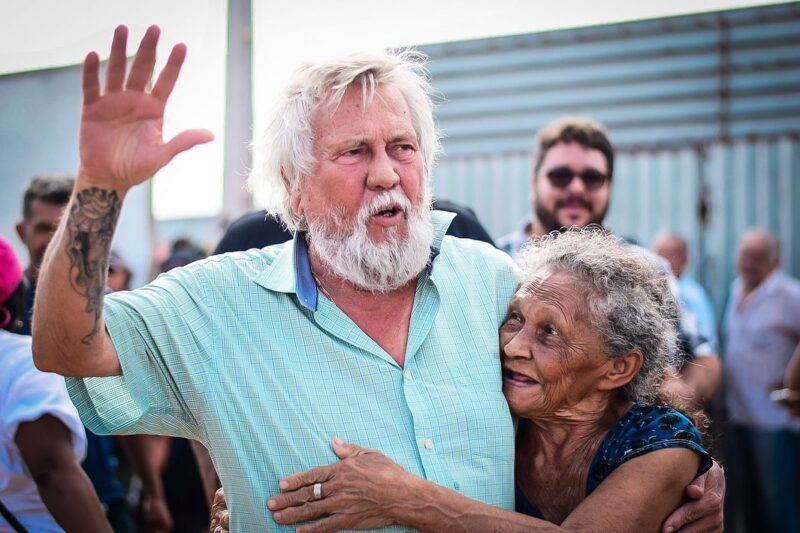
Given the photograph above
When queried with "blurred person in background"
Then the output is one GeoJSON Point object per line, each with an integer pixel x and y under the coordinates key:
{"type": "Point", "coordinates": [119, 273]}
{"type": "Point", "coordinates": [571, 180]}
{"type": "Point", "coordinates": [44, 201]}
{"type": "Point", "coordinates": [762, 331]}
{"type": "Point", "coordinates": [571, 186]}
{"type": "Point", "coordinates": [702, 374]}
{"type": "Point", "coordinates": [42, 442]}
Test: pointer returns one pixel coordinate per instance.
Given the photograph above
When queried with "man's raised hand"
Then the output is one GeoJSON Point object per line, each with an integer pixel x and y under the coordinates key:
{"type": "Point", "coordinates": [121, 143]}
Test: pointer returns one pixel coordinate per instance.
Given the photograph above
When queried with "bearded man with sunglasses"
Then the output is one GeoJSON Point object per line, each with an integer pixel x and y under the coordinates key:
{"type": "Point", "coordinates": [574, 161]}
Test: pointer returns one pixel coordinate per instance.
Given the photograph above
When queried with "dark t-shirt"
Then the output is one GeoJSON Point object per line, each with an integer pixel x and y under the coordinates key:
{"type": "Point", "coordinates": [27, 316]}
{"type": "Point", "coordinates": [257, 230]}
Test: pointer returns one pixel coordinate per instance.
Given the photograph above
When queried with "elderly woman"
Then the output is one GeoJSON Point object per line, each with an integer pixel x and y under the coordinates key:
{"type": "Point", "coordinates": [585, 345]}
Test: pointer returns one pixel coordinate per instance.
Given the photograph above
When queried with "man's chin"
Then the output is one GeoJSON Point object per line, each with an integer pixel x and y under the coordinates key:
{"type": "Point", "coordinates": [580, 221]}
{"type": "Point", "coordinates": [379, 235]}
{"type": "Point", "coordinates": [572, 222]}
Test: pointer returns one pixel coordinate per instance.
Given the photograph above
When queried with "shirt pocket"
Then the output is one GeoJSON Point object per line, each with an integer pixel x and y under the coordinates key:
{"type": "Point", "coordinates": [488, 419]}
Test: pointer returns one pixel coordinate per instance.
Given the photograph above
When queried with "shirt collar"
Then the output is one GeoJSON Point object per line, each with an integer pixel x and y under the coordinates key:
{"type": "Point", "coordinates": [305, 284]}
{"type": "Point", "coordinates": [290, 271]}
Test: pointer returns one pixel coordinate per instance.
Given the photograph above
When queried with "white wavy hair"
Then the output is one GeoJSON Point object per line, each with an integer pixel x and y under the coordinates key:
{"type": "Point", "coordinates": [284, 150]}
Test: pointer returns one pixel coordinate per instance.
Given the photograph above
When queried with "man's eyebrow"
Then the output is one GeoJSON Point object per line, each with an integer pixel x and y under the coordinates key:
{"type": "Point", "coordinates": [349, 143]}
{"type": "Point", "coordinates": [404, 136]}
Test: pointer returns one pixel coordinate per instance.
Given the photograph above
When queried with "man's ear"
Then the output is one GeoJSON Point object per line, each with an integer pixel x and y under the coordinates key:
{"type": "Point", "coordinates": [295, 199]}
{"type": "Point", "coordinates": [621, 371]}
{"type": "Point", "coordinates": [20, 227]}
{"type": "Point", "coordinates": [295, 202]}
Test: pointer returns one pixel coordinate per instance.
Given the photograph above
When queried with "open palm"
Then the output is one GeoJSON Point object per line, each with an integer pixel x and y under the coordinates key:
{"type": "Point", "coordinates": [121, 143]}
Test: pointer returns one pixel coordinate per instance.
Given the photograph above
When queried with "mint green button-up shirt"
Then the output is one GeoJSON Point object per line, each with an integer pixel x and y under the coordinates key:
{"type": "Point", "coordinates": [237, 353]}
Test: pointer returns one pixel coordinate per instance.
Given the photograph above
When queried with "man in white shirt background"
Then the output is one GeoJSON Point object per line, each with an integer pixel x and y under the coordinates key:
{"type": "Point", "coordinates": [762, 326]}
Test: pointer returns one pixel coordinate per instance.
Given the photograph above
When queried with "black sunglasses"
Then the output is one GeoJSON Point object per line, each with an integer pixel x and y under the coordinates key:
{"type": "Point", "coordinates": [561, 177]}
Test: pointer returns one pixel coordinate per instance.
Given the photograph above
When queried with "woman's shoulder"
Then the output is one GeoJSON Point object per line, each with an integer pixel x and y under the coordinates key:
{"type": "Point", "coordinates": [644, 429]}
{"type": "Point", "coordinates": [645, 425]}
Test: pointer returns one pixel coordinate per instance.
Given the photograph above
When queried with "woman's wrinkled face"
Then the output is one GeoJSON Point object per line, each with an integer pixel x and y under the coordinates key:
{"type": "Point", "coordinates": [552, 354]}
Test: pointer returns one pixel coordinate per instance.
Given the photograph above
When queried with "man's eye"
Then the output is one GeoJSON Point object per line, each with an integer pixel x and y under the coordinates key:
{"type": "Point", "coordinates": [513, 318]}
{"type": "Point", "coordinates": [353, 152]}
{"type": "Point", "coordinates": [404, 149]}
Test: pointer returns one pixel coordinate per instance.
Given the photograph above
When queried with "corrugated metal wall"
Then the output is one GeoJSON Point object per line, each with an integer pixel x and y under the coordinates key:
{"type": "Point", "coordinates": [699, 107]}
{"type": "Point", "coordinates": [652, 82]}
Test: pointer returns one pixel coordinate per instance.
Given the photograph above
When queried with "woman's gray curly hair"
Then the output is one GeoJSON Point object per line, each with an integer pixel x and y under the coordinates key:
{"type": "Point", "coordinates": [630, 304]}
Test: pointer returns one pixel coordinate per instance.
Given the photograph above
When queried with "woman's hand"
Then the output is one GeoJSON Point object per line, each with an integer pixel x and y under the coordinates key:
{"type": "Point", "coordinates": [703, 513]}
{"type": "Point", "coordinates": [359, 492]}
{"type": "Point", "coordinates": [220, 517]}
{"type": "Point", "coordinates": [121, 142]}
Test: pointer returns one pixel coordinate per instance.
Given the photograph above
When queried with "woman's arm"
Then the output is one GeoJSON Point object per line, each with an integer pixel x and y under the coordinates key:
{"type": "Point", "coordinates": [368, 490]}
{"type": "Point", "coordinates": [638, 495]}
{"type": "Point", "coordinates": [46, 448]}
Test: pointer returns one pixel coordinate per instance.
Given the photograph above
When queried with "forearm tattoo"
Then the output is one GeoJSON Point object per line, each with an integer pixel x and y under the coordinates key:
{"type": "Point", "coordinates": [91, 224]}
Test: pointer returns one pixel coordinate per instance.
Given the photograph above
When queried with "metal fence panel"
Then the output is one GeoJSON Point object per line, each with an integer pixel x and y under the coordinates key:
{"type": "Point", "coordinates": [677, 80]}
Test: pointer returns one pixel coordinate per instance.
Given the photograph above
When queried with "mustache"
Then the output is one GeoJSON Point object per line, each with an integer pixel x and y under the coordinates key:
{"type": "Point", "coordinates": [387, 200]}
{"type": "Point", "coordinates": [583, 202]}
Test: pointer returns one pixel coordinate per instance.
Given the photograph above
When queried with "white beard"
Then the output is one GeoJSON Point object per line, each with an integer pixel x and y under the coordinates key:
{"type": "Point", "coordinates": [352, 256]}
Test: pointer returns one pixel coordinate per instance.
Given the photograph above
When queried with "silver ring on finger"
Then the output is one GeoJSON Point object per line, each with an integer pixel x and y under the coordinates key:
{"type": "Point", "coordinates": [317, 491]}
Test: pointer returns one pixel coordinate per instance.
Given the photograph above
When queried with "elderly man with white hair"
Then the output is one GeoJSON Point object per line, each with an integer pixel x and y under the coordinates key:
{"type": "Point", "coordinates": [369, 325]}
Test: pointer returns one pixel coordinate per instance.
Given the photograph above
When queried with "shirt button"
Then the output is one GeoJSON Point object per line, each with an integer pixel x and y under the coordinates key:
{"type": "Point", "coordinates": [428, 444]}
{"type": "Point", "coordinates": [457, 485]}
{"type": "Point", "coordinates": [407, 375]}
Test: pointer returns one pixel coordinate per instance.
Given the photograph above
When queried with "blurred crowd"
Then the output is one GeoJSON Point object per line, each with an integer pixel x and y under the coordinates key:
{"type": "Point", "coordinates": [741, 364]}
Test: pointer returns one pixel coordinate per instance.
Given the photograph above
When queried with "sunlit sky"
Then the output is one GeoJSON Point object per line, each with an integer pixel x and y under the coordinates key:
{"type": "Point", "coordinates": [36, 34]}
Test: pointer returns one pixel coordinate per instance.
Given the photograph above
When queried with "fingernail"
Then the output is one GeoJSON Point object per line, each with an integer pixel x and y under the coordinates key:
{"type": "Point", "coordinates": [283, 484]}
{"type": "Point", "coordinates": [337, 440]}
{"type": "Point", "coordinates": [271, 503]}
{"type": "Point", "coordinates": [276, 516]}
{"type": "Point", "coordinates": [670, 529]}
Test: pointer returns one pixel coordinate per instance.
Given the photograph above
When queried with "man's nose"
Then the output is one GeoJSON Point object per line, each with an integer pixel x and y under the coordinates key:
{"type": "Point", "coordinates": [382, 173]}
{"type": "Point", "coordinates": [576, 185]}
